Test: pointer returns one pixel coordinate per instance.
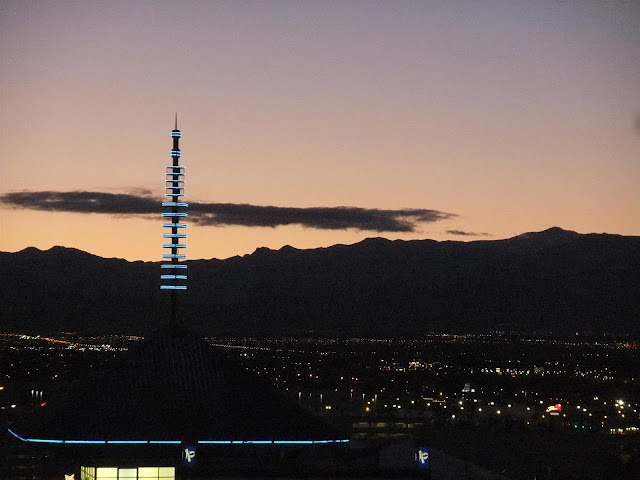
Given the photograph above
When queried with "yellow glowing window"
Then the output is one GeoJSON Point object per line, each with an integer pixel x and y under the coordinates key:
{"type": "Point", "coordinates": [115, 473]}
{"type": "Point", "coordinates": [106, 473]}
{"type": "Point", "coordinates": [167, 473]}
{"type": "Point", "coordinates": [147, 473]}
{"type": "Point", "coordinates": [87, 473]}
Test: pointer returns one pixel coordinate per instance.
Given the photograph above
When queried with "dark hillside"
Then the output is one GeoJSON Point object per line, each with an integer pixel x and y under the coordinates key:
{"type": "Point", "coordinates": [552, 280]}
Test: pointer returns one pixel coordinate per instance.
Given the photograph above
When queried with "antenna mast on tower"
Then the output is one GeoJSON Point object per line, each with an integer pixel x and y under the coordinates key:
{"type": "Point", "coordinates": [176, 276]}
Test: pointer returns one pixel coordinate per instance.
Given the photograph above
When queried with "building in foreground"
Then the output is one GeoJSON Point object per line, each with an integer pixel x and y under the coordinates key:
{"type": "Point", "coordinates": [176, 407]}
{"type": "Point", "coordinates": [170, 406]}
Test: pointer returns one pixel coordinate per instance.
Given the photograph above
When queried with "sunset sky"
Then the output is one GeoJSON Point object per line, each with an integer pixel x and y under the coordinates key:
{"type": "Point", "coordinates": [450, 120]}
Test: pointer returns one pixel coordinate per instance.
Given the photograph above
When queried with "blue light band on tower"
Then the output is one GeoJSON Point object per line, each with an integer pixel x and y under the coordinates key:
{"type": "Point", "coordinates": [173, 212]}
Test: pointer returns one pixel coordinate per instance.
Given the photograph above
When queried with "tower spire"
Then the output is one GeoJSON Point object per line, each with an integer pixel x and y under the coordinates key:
{"type": "Point", "coordinates": [173, 211]}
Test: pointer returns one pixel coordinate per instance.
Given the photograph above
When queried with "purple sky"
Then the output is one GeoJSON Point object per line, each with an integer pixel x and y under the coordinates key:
{"type": "Point", "coordinates": [510, 116]}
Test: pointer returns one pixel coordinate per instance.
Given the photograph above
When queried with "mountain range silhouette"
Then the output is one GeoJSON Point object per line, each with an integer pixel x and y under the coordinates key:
{"type": "Point", "coordinates": [551, 281]}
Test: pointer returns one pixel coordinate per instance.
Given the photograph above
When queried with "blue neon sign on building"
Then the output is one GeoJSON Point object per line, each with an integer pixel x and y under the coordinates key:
{"type": "Point", "coordinates": [189, 456]}
{"type": "Point", "coordinates": [423, 458]}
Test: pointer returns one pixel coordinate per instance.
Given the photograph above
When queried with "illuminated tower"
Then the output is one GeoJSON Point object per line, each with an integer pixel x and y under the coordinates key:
{"type": "Point", "coordinates": [175, 276]}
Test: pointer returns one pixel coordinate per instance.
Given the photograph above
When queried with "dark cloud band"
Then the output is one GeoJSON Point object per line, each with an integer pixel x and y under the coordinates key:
{"type": "Point", "coordinates": [467, 234]}
{"type": "Point", "coordinates": [142, 203]}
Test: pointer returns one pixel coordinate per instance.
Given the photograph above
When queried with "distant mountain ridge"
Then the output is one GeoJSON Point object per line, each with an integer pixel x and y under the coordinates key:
{"type": "Point", "coordinates": [554, 280]}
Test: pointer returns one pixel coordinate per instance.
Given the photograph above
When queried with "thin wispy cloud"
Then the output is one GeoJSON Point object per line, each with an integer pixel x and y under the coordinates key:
{"type": "Point", "coordinates": [218, 214]}
{"type": "Point", "coordinates": [463, 233]}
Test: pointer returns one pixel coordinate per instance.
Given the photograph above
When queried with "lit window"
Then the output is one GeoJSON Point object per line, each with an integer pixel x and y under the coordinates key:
{"type": "Point", "coordinates": [106, 473]}
{"type": "Point", "coordinates": [147, 473]}
{"type": "Point", "coordinates": [165, 473]}
{"type": "Point", "coordinates": [87, 473]}
{"type": "Point", "coordinates": [115, 473]}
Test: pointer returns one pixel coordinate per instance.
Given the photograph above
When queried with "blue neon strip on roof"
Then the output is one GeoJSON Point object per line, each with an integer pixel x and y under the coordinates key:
{"type": "Point", "coordinates": [174, 204]}
{"type": "Point", "coordinates": [174, 235]}
{"type": "Point", "coordinates": [174, 194]}
{"type": "Point", "coordinates": [172, 255]}
{"type": "Point", "coordinates": [176, 133]}
{"type": "Point", "coordinates": [270, 442]}
{"type": "Point", "coordinates": [174, 245]}
{"type": "Point", "coordinates": [86, 441]}
{"type": "Point", "coordinates": [173, 188]}
{"type": "Point", "coordinates": [172, 265]}
{"type": "Point", "coordinates": [172, 214]}
{"type": "Point", "coordinates": [127, 441]}
{"type": "Point", "coordinates": [176, 442]}
{"type": "Point", "coordinates": [175, 153]}
{"type": "Point", "coordinates": [169, 277]}
{"type": "Point", "coordinates": [292, 442]}
{"type": "Point", "coordinates": [181, 167]}
{"type": "Point", "coordinates": [35, 440]}
{"type": "Point", "coordinates": [16, 435]}
{"type": "Point", "coordinates": [176, 225]}
{"type": "Point", "coordinates": [173, 287]}
{"type": "Point", "coordinates": [176, 173]}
